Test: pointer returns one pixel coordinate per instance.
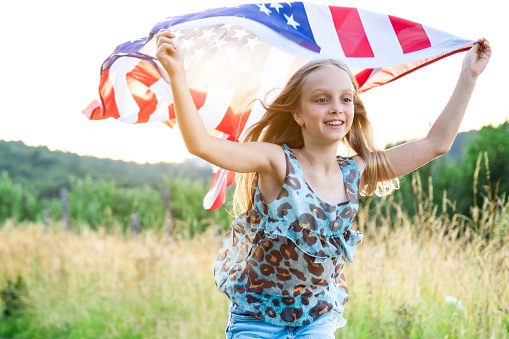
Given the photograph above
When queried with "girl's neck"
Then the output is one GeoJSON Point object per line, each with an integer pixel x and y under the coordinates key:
{"type": "Point", "coordinates": [319, 156]}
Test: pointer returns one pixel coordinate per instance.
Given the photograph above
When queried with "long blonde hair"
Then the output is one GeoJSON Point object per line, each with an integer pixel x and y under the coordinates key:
{"type": "Point", "coordinates": [278, 126]}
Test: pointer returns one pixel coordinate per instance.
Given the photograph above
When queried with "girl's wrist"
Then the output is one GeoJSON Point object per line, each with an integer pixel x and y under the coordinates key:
{"type": "Point", "coordinates": [176, 72]}
{"type": "Point", "coordinates": [468, 75]}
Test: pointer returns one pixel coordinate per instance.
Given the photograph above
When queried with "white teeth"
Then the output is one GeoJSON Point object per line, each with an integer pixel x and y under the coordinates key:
{"type": "Point", "coordinates": [334, 123]}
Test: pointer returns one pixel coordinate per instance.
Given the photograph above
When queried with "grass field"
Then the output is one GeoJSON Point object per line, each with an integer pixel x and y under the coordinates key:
{"type": "Point", "coordinates": [404, 282]}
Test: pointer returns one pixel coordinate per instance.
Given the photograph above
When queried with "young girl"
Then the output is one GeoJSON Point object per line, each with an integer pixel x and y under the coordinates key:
{"type": "Point", "coordinates": [281, 261]}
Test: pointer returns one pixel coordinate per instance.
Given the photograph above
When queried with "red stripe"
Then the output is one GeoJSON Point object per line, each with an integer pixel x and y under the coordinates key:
{"type": "Point", "coordinates": [230, 178]}
{"type": "Point", "coordinates": [411, 35]}
{"type": "Point", "coordinates": [219, 200]}
{"type": "Point", "coordinates": [198, 99]}
{"type": "Point", "coordinates": [363, 76]}
{"type": "Point", "coordinates": [221, 194]}
{"type": "Point", "coordinates": [139, 80]}
{"type": "Point", "coordinates": [94, 111]}
{"type": "Point", "coordinates": [233, 124]}
{"type": "Point", "coordinates": [107, 94]}
{"type": "Point", "coordinates": [351, 32]}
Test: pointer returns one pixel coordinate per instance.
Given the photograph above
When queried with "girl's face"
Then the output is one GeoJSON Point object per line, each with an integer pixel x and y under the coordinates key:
{"type": "Point", "coordinates": [326, 108]}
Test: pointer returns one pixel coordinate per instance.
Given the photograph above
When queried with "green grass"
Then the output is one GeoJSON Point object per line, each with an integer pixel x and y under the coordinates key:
{"type": "Point", "coordinates": [91, 284]}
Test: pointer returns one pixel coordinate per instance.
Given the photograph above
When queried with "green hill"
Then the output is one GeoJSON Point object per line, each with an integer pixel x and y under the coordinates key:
{"type": "Point", "coordinates": [45, 171]}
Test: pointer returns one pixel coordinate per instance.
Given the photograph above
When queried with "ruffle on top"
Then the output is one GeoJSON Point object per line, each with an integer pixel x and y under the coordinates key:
{"type": "Point", "coordinates": [319, 229]}
{"type": "Point", "coordinates": [282, 262]}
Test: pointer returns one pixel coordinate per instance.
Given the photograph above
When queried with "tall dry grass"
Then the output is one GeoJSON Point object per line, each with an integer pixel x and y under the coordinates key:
{"type": "Point", "coordinates": [402, 284]}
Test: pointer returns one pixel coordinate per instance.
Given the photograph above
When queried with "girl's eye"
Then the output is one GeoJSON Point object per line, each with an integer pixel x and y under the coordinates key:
{"type": "Point", "coordinates": [347, 100]}
{"type": "Point", "coordinates": [321, 100]}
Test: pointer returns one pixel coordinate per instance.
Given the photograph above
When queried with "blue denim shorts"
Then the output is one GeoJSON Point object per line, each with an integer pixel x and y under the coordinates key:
{"type": "Point", "coordinates": [244, 326]}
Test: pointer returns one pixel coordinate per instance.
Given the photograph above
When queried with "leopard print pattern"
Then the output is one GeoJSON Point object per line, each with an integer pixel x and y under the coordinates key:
{"type": "Point", "coordinates": [282, 262]}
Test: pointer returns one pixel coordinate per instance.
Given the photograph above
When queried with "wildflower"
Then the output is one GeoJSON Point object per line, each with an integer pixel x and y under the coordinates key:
{"type": "Point", "coordinates": [157, 320]}
{"type": "Point", "coordinates": [506, 310]}
{"type": "Point", "coordinates": [454, 301]}
{"type": "Point", "coordinates": [138, 326]}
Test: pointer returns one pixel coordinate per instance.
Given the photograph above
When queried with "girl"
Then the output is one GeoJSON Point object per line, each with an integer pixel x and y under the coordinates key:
{"type": "Point", "coordinates": [281, 261]}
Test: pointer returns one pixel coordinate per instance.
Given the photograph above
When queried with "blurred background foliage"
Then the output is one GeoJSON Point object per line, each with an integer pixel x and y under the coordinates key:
{"type": "Point", "coordinates": [105, 193]}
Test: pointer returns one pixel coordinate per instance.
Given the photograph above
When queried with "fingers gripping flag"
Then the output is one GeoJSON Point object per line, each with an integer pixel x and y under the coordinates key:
{"type": "Point", "coordinates": [236, 54]}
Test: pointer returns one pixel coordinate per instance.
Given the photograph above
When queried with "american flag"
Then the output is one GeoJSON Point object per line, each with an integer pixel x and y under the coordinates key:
{"type": "Point", "coordinates": [236, 54]}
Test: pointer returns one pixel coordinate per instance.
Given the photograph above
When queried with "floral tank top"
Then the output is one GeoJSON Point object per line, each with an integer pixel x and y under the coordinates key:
{"type": "Point", "coordinates": [282, 262]}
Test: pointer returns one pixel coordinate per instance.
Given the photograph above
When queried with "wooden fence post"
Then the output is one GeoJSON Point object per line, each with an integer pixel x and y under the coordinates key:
{"type": "Point", "coordinates": [47, 218]}
{"type": "Point", "coordinates": [168, 218]}
{"type": "Point", "coordinates": [135, 223]}
{"type": "Point", "coordinates": [64, 202]}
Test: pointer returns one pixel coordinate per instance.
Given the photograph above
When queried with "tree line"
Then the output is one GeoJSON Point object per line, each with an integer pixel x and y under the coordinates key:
{"type": "Point", "coordinates": [105, 193]}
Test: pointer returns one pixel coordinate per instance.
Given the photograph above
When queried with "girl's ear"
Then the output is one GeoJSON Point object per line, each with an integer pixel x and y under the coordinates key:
{"type": "Point", "coordinates": [298, 119]}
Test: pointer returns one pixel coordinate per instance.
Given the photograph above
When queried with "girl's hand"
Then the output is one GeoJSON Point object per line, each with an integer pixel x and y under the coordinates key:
{"type": "Point", "coordinates": [477, 57]}
{"type": "Point", "coordinates": [168, 53]}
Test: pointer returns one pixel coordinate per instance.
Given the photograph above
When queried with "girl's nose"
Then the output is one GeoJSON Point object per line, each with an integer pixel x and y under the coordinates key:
{"type": "Point", "coordinates": [335, 107]}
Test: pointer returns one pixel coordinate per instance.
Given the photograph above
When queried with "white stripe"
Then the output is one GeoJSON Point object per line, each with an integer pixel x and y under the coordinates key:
{"type": "Point", "coordinates": [212, 195]}
{"type": "Point", "coordinates": [215, 106]}
{"type": "Point", "coordinates": [322, 26]}
{"type": "Point", "coordinates": [274, 75]}
{"type": "Point", "coordinates": [127, 106]}
{"type": "Point", "coordinates": [381, 36]}
{"type": "Point", "coordinates": [438, 37]}
{"type": "Point", "coordinates": [162, 91]}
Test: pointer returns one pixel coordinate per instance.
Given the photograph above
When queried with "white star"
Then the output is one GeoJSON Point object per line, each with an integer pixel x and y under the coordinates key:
{"type": "Point", "coordinates": [245, 67]}
{"type": "Point", "coordinates": [199, 53]}
{"type": "Point", "coordinates": [227, 26]}
{"type": "Point", "coordinates": [276, 6]}
{"type": "Point", "coordinates": [178, 34]}
{"type": "Point", "coordinates": [187, 43]}
{"type": "Point", "coordinates": [232, 53]}
{"type": "Point", "coordinates": [211, 65]}
{"type": "Point", "coordinates": [219, 43]}
{"type": "Point", "coordinates": [240, 33]}
{"type": "Point", "coordinates": [291, 22]}
{"type": "Point", "coordinates": [207, 33]}
{"type": "Point", "coordinates": [264, 9]}
{"type": "Point", "coordinates": [133, 41]}
{"type": "Point", "coordinates": [252, 43]}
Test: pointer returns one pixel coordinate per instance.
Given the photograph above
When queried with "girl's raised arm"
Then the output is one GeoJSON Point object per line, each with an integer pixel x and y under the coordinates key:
{"type": "Point", "coordinates": [239, 157]}
{"type": "Point", "coordinates": [412, 155]}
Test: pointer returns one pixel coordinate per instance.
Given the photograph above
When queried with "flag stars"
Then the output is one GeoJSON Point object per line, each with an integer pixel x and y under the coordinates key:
{"type": "Point", "coordinates": [276, 6]}
{"type": "Point", "coordinates": [240, 33]}
{"type": "Point", "coordinates": [199, 53]}
{"type": "Point", "coordinates": [178, 34]}
{"type": "Point", "coordinates": [264, 9]}
{"type": "Point", "coordinates": [219, 43]}
{"type": "Point", "coordinates": [227, 26]}
{"type": "Point", "coordinates": [208, 33]}
{"type": "Point", "coordinates": [290, 21]}
{"type": "Point", "coordinates": [232, 53]}
{"type": "Point", "coordinates": [137, 40]}
{"type": "Point", "coordinates": [252, 43]}
{"type": "Point", "coordinates": [245, 66]}
{"type": "Point", "coordinates": [188, 44]}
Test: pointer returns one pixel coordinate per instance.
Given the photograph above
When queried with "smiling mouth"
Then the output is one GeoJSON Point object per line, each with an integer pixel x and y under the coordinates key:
{"type": "Point", "coordinates": [334, 123]}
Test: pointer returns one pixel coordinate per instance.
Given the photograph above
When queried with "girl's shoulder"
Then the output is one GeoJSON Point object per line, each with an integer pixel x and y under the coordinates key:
{"type": "Point", "coordinates": [361, 164]}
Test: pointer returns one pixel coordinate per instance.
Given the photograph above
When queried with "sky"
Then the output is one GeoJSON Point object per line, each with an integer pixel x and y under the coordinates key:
{"type": "Point", "coordinates": [53, 51]}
